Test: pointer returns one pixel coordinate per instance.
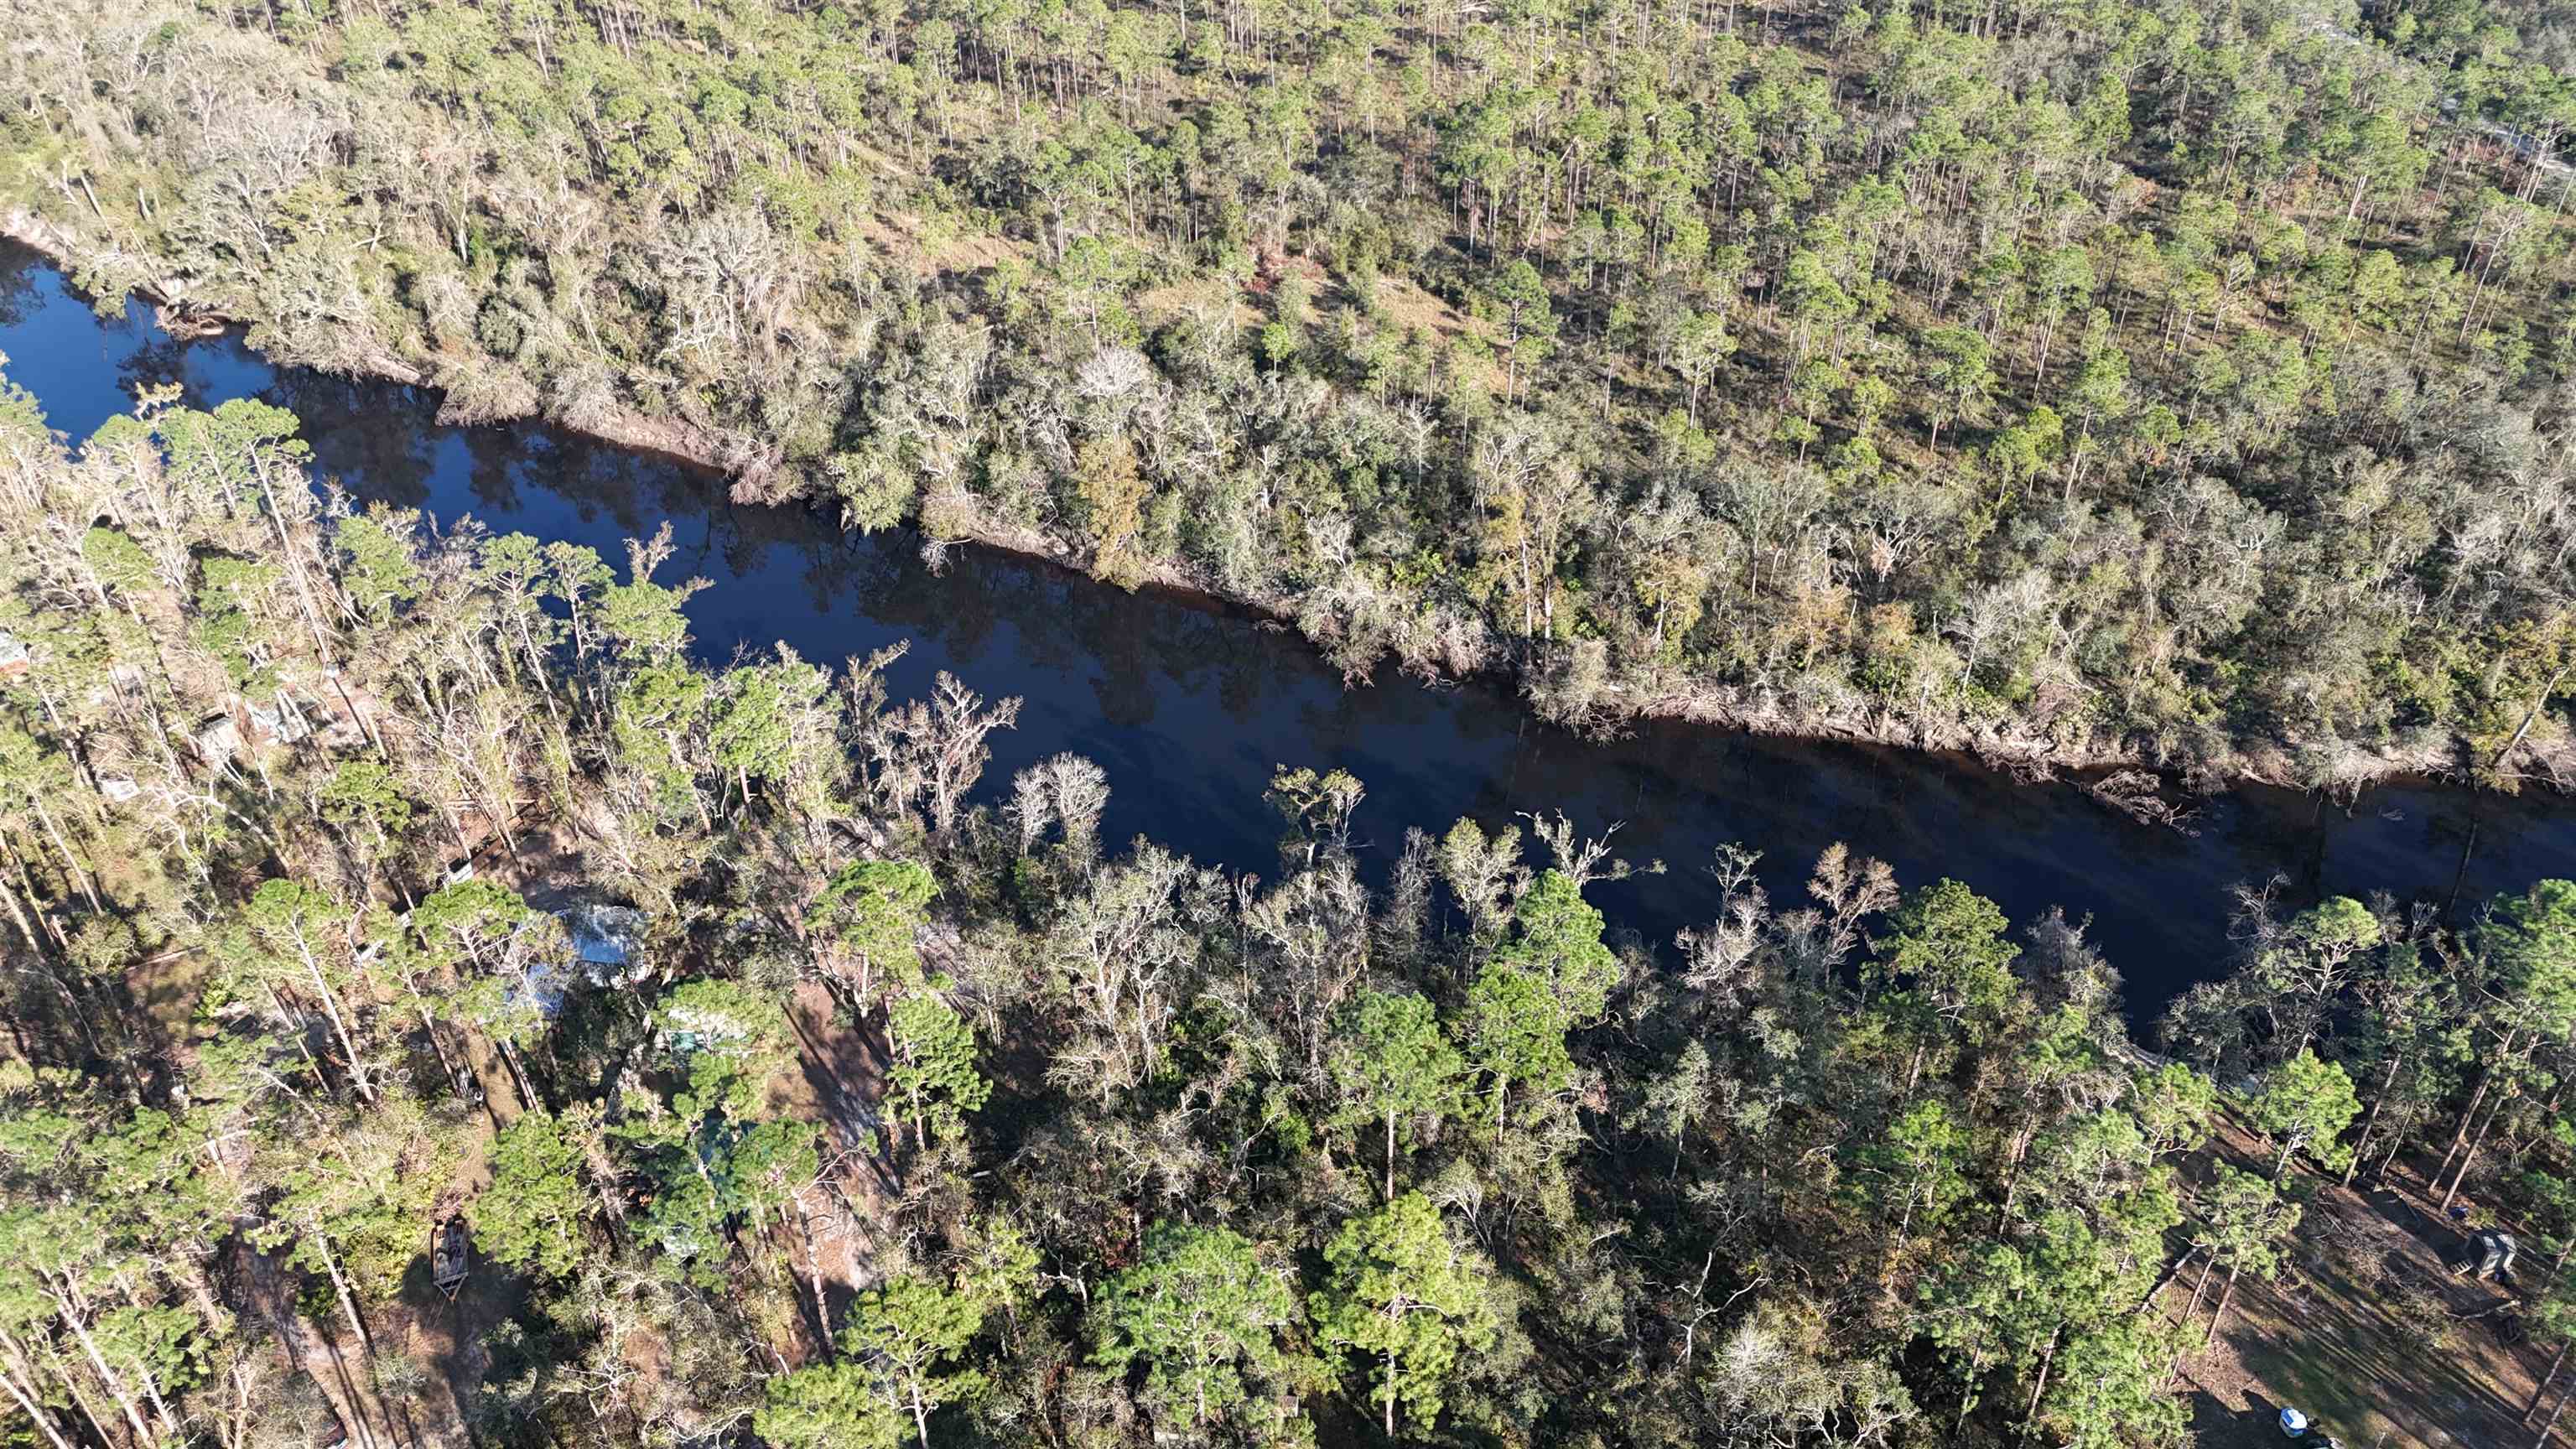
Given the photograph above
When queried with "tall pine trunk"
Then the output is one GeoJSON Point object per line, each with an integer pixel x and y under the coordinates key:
{"type": "Point", "coordinates": [2551, 1427]}
{"type": "Point", "coordinates": [2226, 1297]}
{"type": "Point", "coordinates": [2361, 1148]}
{"type": "Point", "coordinates": [2541, 1390]}
{"type": "Point", "coordinates": [2471, 1159]}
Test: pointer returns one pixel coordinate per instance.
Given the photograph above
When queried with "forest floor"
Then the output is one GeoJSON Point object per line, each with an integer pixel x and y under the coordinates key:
{"type": "Point", "coordinates": [2365, 1330]}
{"type": "Point", "coordinates": [449, 1337]}
{"type": "Point", "coordinates": [842, 1078]}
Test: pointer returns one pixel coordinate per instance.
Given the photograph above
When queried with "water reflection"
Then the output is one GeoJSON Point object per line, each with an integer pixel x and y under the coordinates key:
{"type": "Point", "coordinates": [1190, 707]}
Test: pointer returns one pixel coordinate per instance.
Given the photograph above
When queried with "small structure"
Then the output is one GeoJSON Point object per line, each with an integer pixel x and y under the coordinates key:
{"type": "Point", "coordinates": [217, 740]}
{"type": "Point", "coordinates": [605, 939]}
{"type": "Point", "coordinates": [280, 722]}
{"type": "Point", "coordinates": [118, 788]}
{"type": "Point", "coordinates": [2490, 1255]}
{"type": "Point", "coordinates": [449, 1251]}
{"type": "Point", "coordinates": [14, 659]}
{"type": "Point", "coordinates": [283, 721]}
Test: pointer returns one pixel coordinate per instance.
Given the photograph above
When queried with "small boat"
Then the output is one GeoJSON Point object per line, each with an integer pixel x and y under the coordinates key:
{"type": "Point", "coordinates": [449, 1249]}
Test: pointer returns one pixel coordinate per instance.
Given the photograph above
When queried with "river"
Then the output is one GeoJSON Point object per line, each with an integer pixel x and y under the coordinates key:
{"type": "Point", "coordinates": [1189, 707]}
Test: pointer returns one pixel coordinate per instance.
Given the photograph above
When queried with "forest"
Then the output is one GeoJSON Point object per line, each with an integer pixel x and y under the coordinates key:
{"type": "Point", "coordinates": [2160, 382]}
{"type": "Point", "coordinates": [795, 1086]}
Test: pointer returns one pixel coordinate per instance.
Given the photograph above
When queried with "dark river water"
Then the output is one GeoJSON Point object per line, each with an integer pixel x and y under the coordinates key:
{"type": "Point", "coordinates": [1189, 708]}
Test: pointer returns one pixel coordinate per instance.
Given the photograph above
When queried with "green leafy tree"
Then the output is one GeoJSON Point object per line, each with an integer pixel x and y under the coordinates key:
{"type": "Point", "coordinates": [657, 720]}
{"type": "Point", "coordinates": [470, 923]}
{"type": "Point", "coordinates": [1205, 1315]}
{"type": "Point", "coordinates": [1549, 976]}
{"type": "Point", "coordinates": [2530, 943]}
{"type": "Point", "coordinates": [867, 917]}
{"type": "Point", "coordinates": [1318, 805]}
{"type": "Point", "coordinates": [1982, 1312]}
{"type": "Point", "coordinates": [2100, 395]}
{"type": "Point", "coordinates": [2306, 966]}
{"type": "Point", "coordinates": [728, 1027]}
{"type": "Point", "coordinates": [295, 934]}
{"type": "Point", "coordinates": [531, 1216]}
{"type": "Point", "coordinates": [2306, 1102]}
{"type": "Point", "coordinates": [911, 1332]}
{"type": "Point", "coordinates": [1945, 970]}
{"type": "Point", "coordinates": [1912, 1172]}
{"type": "Point", "coordinates": [2527, 947]}
{"type": "Point", "coordinates": [641, 615]}
{"type": "Point", "coordinates": [748, 728]}
{"type": "Point", "coordinates": [31, 776]}
{"type": "Point", "coordinates": [769, 1165]}
{"type": "Point", "coordinates": [2247, 1221]}
{"type": "Point", "coordinates": [1516, 1034]}
{"type": "Point", "coordinates": [364, 798]}
{"type": "Point", "coordinates": [1700, 349]}
{"type": "Point", "coordinates": [1556, 937]}
{"type": "Point", "coordinates": [2173, 1106]}
{"type": "Point", "coordinates": [1518, 297]}
{"type": "Point", "coordinates": [934, 1070]}
{"type": "Point", "coordinates": [1407, 1299]}
{"type": "Point", "coordinates": [1114, 494]}
{"type": "Point", "coordinates": [2109, 1389]}
{"type": "Point", "coordinates": [378, 572]}
{"type": "Point", "coordinates": [1958, 376]}
{"type": "Point", "coordinates": [1391, 1064]}
{"type": "Point", "coordinates": [834, 1405]}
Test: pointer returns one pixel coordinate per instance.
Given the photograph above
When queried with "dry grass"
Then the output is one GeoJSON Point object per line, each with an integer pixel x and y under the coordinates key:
{"type": "Point", "coordinates": [1412, 307]}
{"type": "Point", "coordinates": [928, 248]}
{"type": "Point", "coordinates": [1199, 297]}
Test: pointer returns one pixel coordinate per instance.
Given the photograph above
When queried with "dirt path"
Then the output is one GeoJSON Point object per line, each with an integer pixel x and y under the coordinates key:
{"type": "Point", "coordinates": [337, 1366]}
{"type": "Point", "coordinates": [840, 1078]}
{"type": "Point", "coordinates": [448, 1338]}
{"type": "Point", "coordinates": [843, 1072]}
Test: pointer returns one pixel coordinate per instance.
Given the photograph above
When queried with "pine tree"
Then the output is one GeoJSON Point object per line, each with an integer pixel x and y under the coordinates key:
{"type": "Point", "coordinates": [1409, 1302]}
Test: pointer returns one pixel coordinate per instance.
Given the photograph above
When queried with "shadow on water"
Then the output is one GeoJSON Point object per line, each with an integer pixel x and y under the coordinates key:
{"type": "Point", "coordinates": [1189, 707]}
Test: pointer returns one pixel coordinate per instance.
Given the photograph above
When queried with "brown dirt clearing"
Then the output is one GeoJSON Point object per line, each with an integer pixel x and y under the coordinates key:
{"type": "Point", "coordinates": [2365, 1330]}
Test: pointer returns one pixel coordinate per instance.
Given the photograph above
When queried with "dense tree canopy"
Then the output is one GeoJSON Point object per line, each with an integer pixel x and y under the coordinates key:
{"type": "Point", "coordinates": [909, 1115]}
{"type": "Point", "coordinates": [2142, 379]}
{"type": "Point", "coordinates": [2162, 379]}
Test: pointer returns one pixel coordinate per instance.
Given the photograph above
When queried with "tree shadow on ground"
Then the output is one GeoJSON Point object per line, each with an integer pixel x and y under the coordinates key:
{"type": "Point", "coordinates": [2214, 1425]}
{"type": "Point", "coordinates": [2372, 1347]}
{"type": "Point", "coordinates": [2367, 1331]}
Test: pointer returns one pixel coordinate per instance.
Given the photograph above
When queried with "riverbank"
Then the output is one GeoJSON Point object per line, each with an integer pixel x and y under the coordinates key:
{"type": "Point", "coordinates": [1568, 685]}
{"type": "Point", "coordinates": [1189, 703]}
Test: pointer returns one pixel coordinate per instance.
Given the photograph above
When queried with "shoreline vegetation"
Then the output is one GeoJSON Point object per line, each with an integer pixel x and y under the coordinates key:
{"type": "Point", "coordinates": [2159, 797]}
{"type": "Point", "coordinates": [2167, 390]}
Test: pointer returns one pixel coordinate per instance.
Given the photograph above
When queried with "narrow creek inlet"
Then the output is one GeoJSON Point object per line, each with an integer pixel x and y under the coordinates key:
{"type": "Point", "coordinates": [1190, 707]}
